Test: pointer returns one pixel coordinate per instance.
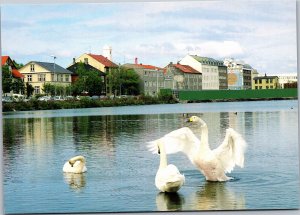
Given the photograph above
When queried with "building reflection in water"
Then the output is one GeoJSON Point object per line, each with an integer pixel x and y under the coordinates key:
{"type": "Point", "coordinates": [169, 201]}
{"type": "Point", "coordinates": [76, 182]}
{"type": "Point", "coordinates": [216, 196]}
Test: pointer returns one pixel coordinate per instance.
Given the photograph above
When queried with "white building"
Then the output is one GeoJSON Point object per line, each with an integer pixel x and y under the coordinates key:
{"type": "Point", "coordinates": [209, 68]}
{"type": "Point", "coordinates": [286, 78]}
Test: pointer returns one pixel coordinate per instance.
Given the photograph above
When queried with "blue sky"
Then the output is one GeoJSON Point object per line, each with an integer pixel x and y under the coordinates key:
{"type": "Point", "coordinates": [261, 33]}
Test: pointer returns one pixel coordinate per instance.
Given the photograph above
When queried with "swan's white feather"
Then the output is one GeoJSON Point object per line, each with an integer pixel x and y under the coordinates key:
{"type": "Point", "coordinates": [77, 167]}
{"type": "Point", "coordinates": [231, 151]}
{"type": "Point", "coordinates": [212, 163]}
{"type": "Point", "coordinates": [169, 179]}
{"type": "Point", "coordinates": [180, 140]}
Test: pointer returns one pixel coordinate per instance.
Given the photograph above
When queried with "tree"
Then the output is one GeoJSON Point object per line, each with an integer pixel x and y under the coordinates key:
{"type": "Point", "coordinates": [89, 80]}
{"type": "Point", "coordinates": [18, 86]}
{"type": "Point", "coordinates": [124, 81]}
{"type": "Point", "coordinates": [7, 79]}
{"type": "Point", "coordinates": [29, 90]}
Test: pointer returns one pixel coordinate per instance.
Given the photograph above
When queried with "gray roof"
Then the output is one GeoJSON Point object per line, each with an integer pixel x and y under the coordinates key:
{"type": "Point", "coordinates": [50, 67]}
{"type": "Point", "coordinates": [208, 60]}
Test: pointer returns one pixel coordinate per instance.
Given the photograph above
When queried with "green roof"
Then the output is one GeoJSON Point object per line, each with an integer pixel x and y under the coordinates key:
{"type": "Point", "coordinates": [207, 60]}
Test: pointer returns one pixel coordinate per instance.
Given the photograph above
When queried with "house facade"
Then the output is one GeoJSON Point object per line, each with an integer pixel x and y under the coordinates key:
{"type": "Point", "coordinates": [289, 78]}
{"type": "Point", "coordinates": [99, 62]}
{"type": "Point", "coordinates": [265, 82]}
{"type": "Point", "coordinates": [38, 73]}
{"type": "Point", "coordinates": [240, 75]}
{"type": "Point", "coordinates": [210, 69]}
{"type": "Point", "coordinates": [182, 77]}
{"type": "Point", "coordinates": [152, 78]}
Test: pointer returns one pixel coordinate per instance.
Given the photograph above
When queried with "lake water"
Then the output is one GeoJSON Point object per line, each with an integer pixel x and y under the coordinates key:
{"type": "Point", "coordinates": [121, 172]}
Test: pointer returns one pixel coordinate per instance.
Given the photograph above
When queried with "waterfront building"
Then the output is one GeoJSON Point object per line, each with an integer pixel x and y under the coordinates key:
{"type": "Point", "coordinates": [152, 78]}
{"type": "Point", "coordinates": [99, 62]}
{"type": "Point", "coordinates": [210, 69]}
{"type": "Point", "coordinates": [240, 74]}
{"type": "Point", "coordinates": [265, 82]}
{"type": "Point", "coordinates": [285, 79]}
{"type": "Point", "coordinates": [182, 77]}
{"type": "Point", "coordinates": [38, 73]}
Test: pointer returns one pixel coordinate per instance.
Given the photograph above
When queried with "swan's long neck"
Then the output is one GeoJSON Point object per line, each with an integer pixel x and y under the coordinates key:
{"type": "Point", "coordinates": [163, 157]}
{"type": "Point", "coordinates": [78, 158]}
{"type": "Point", "coordinates": [204, 136]}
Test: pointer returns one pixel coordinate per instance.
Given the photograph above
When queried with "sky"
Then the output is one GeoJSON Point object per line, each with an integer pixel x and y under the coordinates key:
{"type": "Point", "coordinates": [261, 33]}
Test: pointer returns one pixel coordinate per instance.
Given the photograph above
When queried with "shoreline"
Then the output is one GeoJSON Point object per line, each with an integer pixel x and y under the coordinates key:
{"type": "Point", "coordinates": [88, 103]}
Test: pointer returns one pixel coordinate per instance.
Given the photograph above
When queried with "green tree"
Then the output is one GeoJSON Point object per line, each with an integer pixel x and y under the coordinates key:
{"type": "Point", "coordinates": [18, 86]}
{"type": "Point", "coordinates": [7, 79]}
{"type": "Point", "coordinates": [89, 81]}
{"type": "Point", "coordinates": [29, 90]}
{"type": "Point", "coordinates": [124, 81]}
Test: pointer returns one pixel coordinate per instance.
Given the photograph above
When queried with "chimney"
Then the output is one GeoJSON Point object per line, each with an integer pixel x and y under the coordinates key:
{"type": "Point", "coordinates": [74, 60]}
{"type": "Point", "coordinates": [136, 61]}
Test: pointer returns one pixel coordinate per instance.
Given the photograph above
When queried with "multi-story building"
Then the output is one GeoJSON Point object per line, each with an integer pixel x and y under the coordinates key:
{"type": "Point", "coordinates": [38, 73]}
{"type": "Point", "coordinates": [97, 61]}
{"type": "Point", "coordinates": [210, 69]}
{"type": "Point", "coordinates": [182, 77]}
{"type": "Point", "coordinates": [285, 79]}
{"type": "Point", "coordinates": [239, 74]}
{"type": "Point", "coordinates": [152, 78]}
{"type": "Point", "coordinates": [265, 82]}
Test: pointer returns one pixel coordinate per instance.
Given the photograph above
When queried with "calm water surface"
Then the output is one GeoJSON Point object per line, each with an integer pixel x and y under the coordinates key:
{"type": "Point", "coordinates": [121, 171]}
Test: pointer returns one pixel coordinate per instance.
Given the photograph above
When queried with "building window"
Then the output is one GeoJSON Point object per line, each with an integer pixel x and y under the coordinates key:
{"type": "Point", "coordinates": [271, 80]}
{"type": "Point", "coordinates": [67, 78]}
{"type": "Point", "coordinates": [29, 78]}
{"type": "Point", "coordinates": [256, 87]}
{"type": "Point", "coordinates": [86, 60]}
{"type": "Point", "coordinates": [37, 89]}
{"type": "Point", "coordinates": [260, 81]}
{"type": "Point", "coordinates": [42, 78]}
{"type": "Point", "coordinates": [31, 67]}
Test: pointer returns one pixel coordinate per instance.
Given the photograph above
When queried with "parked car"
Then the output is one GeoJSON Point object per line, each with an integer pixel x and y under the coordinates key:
{"type": "Point", "coordinates": [44, 98]}
{"type": "Point", "coordinates": [7, 99]}
{"type": "Point", "coordinates": [57, 98]}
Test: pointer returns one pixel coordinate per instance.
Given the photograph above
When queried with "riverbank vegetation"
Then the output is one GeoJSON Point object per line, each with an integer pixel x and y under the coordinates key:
{"type": "Point", "coordinates": [86, 102]}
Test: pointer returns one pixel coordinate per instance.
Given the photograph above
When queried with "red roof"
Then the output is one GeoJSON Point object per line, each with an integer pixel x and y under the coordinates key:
{"type": "Point", "coordinates": [17, 74]}
{"type": "Point", "coordinates": [148, 66]}
{"type": "Point", "coordinates": [186, 69]}
{"type": "Point", "coordinates": [103, 60]}
{"type": "Point", "coordinates": [3, 60]}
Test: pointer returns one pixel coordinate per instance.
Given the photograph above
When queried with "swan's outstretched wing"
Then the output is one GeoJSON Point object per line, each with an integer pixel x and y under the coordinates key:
{"type": "Point", "coordinates": [180, 140]}
{"type": "Point", "coordinates": [231, 151]}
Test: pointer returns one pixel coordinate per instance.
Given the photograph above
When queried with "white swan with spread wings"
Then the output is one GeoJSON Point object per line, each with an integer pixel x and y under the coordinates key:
{"type": "Point", "coordinates": [214, 164]}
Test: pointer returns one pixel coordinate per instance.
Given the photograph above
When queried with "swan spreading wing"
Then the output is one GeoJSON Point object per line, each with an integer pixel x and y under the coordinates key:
{"type": "Point", "coordinates": [231, 151]}
{"type": "Point", "coordinates": [180, 140]}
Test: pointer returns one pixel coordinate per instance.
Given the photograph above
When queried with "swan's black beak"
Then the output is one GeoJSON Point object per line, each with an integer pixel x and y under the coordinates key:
{"type": "Point", "coordinates": [71, 163]}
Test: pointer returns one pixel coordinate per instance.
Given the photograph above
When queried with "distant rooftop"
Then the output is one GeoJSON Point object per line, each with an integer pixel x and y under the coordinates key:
{"type": "Point", "coordinates": [50, 67]}
{"type": "Point", "coordinates": [208, 60]}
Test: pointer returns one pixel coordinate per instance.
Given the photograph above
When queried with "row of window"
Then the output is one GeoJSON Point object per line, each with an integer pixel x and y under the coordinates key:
{"type": "Point", "coordinates": [42, 78]}
{"type": "Point", "coordinates": [260, 87]}
{"type": "Point", "coordinates": [260, 81]}
{"type": "Point", "coordinates": [153, 74]}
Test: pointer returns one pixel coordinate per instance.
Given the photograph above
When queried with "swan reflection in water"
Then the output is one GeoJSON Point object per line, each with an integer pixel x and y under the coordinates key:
{"type": "Point", "coordinates": [76, 181]}
{"type": "Point", "coordinates": [216, 196]}
{"type": "Point", "coordinates": [169, 201]}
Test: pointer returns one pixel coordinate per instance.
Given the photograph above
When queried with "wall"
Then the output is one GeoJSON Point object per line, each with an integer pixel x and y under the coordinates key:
{"type": "Point", "coordinates": [236, 94]}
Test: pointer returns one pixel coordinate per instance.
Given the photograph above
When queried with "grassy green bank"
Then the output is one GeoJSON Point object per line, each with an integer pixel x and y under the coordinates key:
{"type": "Point", "coordinates": [85, 103]}
{"type": "Point", "coordinates": [237, 95]}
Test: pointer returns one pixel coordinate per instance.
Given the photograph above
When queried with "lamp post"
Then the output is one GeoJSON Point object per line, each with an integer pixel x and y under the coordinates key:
{"type": "Point", "coordinates": [54, 57]}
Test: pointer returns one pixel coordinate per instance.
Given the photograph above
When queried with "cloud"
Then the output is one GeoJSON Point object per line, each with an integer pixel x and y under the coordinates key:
{"type": "Point", "coordinates": [259, 32]}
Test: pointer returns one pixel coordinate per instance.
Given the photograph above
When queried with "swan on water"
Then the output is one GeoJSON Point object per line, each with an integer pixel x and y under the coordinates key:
{"type": "Point", "coordinates": [213, 164]}
{"type": "Point", "coordinates": [75, 165]}
{"type": "Point", "coordinates": [168, 177]}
